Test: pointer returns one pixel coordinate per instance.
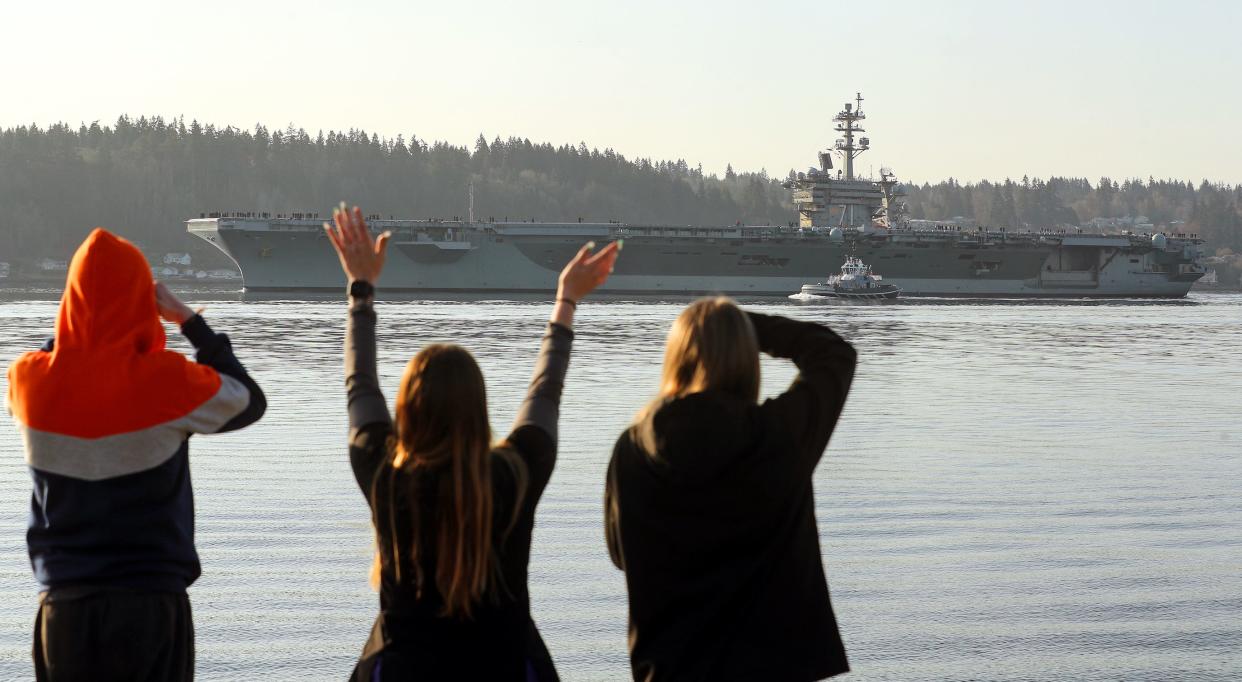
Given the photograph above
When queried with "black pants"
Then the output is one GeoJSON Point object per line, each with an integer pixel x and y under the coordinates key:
{"type": "Point", "coordinates": [105, 634]}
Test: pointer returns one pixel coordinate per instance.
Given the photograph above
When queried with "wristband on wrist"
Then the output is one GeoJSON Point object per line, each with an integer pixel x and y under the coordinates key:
{"type": "Point", "coordinates": [361, 289]}
{"type": "Point", "coordinates": [571, 302]}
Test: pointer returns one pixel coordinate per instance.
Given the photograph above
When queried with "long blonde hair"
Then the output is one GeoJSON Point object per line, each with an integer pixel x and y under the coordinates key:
{"type": "Point", "coordinates": [711, 346]}
{"type": "Point", "coordinates": [442, 438]}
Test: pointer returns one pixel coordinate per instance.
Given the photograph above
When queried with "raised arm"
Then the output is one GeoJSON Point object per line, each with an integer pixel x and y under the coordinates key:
{"type": "Point", "coordinates": [534, 433]}
{"type": "Point", "coordinates": [216, 351]}
{"type": "Point", "coordinates": [364, 399]}
{"type": "Point", "coordinates": [362, 259]}
{"type": "Point", "coordinates": [810, 407]}
{"type": "Point", "coordinates": [239, 402]}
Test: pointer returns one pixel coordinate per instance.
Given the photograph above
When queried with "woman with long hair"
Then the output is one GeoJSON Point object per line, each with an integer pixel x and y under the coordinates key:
{"type": "Point", "coordinates": [452, 510]}
{"type": "Point", "coordinates": [709, 508]}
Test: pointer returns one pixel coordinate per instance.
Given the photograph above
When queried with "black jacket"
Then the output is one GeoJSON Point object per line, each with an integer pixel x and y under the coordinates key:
{"type": "Point", "coordinates": [716, 529]}
{"type": "Point", "coordinates": [410, 639]}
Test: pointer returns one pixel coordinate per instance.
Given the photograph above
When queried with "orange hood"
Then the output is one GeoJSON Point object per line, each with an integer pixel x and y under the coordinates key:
{"type": "Point", "coordinates": [108, 372]}
{"type": "Point", "coordinates": [109, 299]}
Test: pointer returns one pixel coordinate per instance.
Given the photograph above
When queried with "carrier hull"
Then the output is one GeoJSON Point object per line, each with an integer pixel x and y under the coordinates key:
{"type": "Point", "coordinates": [432, 256]}
{"type": "Point", "coordinates": [839, 215]}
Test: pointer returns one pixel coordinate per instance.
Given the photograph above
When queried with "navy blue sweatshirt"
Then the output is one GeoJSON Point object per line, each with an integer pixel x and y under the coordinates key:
{"type": "Point", "coordinates": [118, 510]}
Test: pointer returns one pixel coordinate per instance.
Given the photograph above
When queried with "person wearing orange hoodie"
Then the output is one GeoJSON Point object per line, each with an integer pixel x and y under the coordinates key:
{"type": "Point", "coordinates": [106, 412]}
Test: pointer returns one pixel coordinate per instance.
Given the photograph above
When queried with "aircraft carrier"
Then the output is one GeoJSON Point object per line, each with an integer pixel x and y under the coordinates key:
{"type": "Point", "coordinates": [839, 215]}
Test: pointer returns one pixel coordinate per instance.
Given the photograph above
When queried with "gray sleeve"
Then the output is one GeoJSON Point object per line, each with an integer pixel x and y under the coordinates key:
{"type": "Point", "coordinates": [365, 400]}
{"type": "Point", "coordinates": [542, 406]}
{"type": "Point", "coordinates": [229, 401]}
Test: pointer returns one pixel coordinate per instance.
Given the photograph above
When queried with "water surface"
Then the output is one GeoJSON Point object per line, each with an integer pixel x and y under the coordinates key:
{"type": "Point", "coordinates": [1017, 490]}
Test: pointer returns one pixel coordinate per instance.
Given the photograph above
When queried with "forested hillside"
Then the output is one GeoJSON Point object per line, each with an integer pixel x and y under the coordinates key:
{"type": "Point", "coordinates": [1213, 211]}
{"type": "Point", "coordinates": [144, 177]}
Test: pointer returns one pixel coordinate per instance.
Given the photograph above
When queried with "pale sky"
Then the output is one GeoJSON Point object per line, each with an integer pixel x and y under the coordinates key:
{"type": "Point", "coordinates": [964, 89]}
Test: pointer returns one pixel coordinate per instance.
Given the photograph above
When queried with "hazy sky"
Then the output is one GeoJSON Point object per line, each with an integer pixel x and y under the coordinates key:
{"type": "Point", "coordinates": [965, 89]}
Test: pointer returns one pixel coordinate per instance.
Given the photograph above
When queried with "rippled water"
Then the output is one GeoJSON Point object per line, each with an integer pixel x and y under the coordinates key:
{"type": "Point", "coordinates": [1017, 491]}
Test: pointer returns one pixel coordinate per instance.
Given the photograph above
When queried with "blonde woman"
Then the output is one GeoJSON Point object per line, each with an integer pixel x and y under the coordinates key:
{"type": "Point", "coordinates": [452, 510]}
{"type": "Point", "coordinates": [709, 508]}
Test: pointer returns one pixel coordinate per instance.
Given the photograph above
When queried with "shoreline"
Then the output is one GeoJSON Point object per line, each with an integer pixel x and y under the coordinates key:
{"type": "Point", "coordinates": [57, 282]}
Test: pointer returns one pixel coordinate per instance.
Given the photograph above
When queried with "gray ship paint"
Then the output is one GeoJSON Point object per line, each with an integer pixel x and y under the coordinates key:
{"type": "Point", "coordinates": [839, 215]}
{"type": "Point", "coordinates": [293, 254]}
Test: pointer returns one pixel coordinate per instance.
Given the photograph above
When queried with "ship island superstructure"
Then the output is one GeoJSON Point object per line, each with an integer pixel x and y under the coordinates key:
{"type": "Point", "coordinates": [839, 216]}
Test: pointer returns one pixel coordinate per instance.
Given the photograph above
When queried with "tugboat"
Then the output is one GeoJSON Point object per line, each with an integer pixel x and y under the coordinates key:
{"type": "Point", "coordinates": [856, 282]}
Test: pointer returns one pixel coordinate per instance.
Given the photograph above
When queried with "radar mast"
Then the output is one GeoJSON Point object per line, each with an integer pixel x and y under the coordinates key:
{"type": "Point", "coordinates": [847, 123]}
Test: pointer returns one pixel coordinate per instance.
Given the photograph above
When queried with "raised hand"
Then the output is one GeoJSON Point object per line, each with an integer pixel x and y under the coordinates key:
{"type": "Point", "coordinates": [587, 271]}
{"type": "Point", "coordinates": [580, 277]}
{"type": "Point", "coordinates": [361, 258]}
{"type": "Point", "coordinates": [171, 308]}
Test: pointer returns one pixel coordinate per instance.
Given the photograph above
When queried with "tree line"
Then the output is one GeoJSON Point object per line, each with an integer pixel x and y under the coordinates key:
{"type": "Point", "coordinates": [1211, 210]}
{"type": "Point", "coordinates": [143, 177]}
